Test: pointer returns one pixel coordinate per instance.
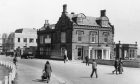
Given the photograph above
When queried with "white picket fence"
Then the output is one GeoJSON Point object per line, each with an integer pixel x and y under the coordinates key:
{"type": "Point", "coordinates": [11, 76]}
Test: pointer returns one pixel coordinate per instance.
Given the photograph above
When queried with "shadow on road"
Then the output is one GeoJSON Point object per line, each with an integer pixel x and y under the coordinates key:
{"type": "Point", "coordinates": [39, 80]}
{"type": "Point", "coordinates": [85, 77]}
{"type": "Point", "coordinates": [110, 73]}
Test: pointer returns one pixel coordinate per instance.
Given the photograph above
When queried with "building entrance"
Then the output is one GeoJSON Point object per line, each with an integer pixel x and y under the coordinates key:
{"type": "Point", "coordinates": [80, 53]}
{"type": "Point", "coordinates": [99, 54]}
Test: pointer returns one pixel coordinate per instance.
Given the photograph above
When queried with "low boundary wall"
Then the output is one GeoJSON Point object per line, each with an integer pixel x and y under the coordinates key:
{"type": "Point", "coordinates": [11, 76]}
{"type": "Point", "coordinates": [126, 63]}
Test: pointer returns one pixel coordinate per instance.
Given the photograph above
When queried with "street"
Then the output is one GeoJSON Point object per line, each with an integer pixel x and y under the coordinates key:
{"type": "Point", "coordinates": [72, 72]}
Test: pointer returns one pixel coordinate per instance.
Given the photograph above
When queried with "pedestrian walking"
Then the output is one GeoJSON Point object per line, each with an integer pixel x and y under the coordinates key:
{"type": "Point", "coordinates": [120, 67]}
{"type": "Point", "coordinates": [48, 71]}
{"type": "Point", "coordinates": [115, 66]}
{"type": "Point", "coordinates": [65, 58]}
{"type": "Point", "coordinates": [87, 60]}
{"type": "Point", "coordinates": [94, 69]}
{"type": "Point", "coordinates": [15, 60]}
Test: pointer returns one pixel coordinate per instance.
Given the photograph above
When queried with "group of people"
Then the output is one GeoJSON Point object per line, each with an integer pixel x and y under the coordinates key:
{"type": "Point", "coordinates": [118, 64]}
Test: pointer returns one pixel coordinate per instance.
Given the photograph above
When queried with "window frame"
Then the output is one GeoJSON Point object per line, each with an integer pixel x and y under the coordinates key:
{"type": "Point", "coordinates": [63, 37]}
{"type": "Point", "coordinates": [41, 39]}
{"type": "Point", "coordinates": [93, 34]}
{"type": "Point", "coordinates": [79, 34]}
{"type": "Point", "coordinates": [25, 40]}
{"type": "Point", "coordinates": [18, 40]}
{"type": "Point", "coordinates": [31, 40]}
{"type": "Point", "coordinates": [106, 34]}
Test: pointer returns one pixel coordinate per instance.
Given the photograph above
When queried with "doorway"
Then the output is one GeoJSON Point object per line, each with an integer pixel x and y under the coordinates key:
{"type": "Point", "coordinates": [80, 53]}
{"type": "Point", "coordinates": [99, 54]}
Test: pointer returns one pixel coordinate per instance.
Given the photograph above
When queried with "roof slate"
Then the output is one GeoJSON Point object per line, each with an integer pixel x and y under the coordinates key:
{"type": "Point", "coordinates": [88, 20]}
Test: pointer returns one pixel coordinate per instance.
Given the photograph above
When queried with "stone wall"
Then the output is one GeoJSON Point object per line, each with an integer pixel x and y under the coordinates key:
{"type": "Point", "coordinates": [126, 63]}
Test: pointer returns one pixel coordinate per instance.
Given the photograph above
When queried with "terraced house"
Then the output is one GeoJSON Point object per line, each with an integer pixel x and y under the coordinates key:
{"type": "Point", "coordinates": [77, 36]}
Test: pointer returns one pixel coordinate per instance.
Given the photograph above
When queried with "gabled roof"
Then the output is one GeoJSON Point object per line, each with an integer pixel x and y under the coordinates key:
{"type": "Point", "coordinates": [86, 20]}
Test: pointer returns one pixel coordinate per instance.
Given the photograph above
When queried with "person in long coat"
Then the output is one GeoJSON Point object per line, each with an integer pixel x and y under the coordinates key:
{"type": "Point", "coordinates": [15, 60]}
{"type": "Point", "coordinates": [120, 68]}
{"type": "Point", "coordinates": [116, 64]}
{"type": "Point", "coordinates": [48, 70]}
{"type": "Point", "coordinates": [87, 60]}
{"type": "Point", "coordinates": [65, 58]}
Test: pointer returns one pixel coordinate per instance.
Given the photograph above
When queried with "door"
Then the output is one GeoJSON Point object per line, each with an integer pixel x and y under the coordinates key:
{"type": "Point", "coordinates": [80, 53]}
{"type": "Point", "coordinates": [99, 54]}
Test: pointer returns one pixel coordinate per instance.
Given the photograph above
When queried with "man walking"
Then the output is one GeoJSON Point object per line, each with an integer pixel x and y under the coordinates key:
{"type": "Point", "coordinates": [120, 67]}
{"type": "Point", "coordinates": [65, 58]}
{"type": "Point", "coordinates": [15, 60]}
{"type": "Point", "coordinates": [94, 69]}
{"type": "Point", "coordinates": [87, 60]}
{"type": "Point", "coordinates": [116, 64]}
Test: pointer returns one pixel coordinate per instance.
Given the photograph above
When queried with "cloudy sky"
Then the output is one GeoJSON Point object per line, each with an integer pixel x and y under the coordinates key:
{"type": "Point", "coordinates": [123, 14]}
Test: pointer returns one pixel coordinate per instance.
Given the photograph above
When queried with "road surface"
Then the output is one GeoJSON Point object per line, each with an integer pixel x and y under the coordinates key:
{"type": "Point", "coordinates": [72, 72]}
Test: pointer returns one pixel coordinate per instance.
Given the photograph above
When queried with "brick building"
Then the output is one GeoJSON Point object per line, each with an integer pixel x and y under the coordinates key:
{"type": "Point", "coordinates": [77, 36]}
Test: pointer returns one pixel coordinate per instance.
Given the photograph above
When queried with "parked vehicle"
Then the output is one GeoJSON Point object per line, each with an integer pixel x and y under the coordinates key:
{"type": "Point", "coordinates": [29, 52]}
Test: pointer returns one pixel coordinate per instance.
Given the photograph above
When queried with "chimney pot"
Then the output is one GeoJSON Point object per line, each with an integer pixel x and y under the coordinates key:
{"type": "Point", "coordinates": [72, 13]}
{"type": "Point", "coordinates": [103, 13]}
{"type": "Point", "coordinates": [119, 42]}
{"type": "Point", "coordinates": [136, 42]}
{"type": "Point", "coordinates": [65, 8]}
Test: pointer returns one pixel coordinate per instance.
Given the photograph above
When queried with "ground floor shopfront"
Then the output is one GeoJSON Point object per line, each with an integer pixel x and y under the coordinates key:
{"type": "Point", "coordinates": [93, 52]}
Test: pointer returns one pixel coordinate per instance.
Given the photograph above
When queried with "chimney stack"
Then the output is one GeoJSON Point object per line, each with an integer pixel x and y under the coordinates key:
{"type": "Point", "coordinates": [103, 13]}
{"type": "Point", "coordinates": [65, 8]}
{"type": "Point", "coordinates": [46, 23]}
{"type": "Point", "coordinates": [136, 42]}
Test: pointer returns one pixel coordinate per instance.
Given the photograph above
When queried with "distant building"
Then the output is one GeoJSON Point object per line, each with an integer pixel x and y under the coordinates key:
{"type": "Point", "coordinates": [126, 51]}
{"type": "Point", "coordinates": [77, 36]}
{"type": "Point", "coordinates": [0, 43]}
{"type": "Point", "coordinates": [4, 42]}
{"type": "Point", "coordinates": [21, 38]}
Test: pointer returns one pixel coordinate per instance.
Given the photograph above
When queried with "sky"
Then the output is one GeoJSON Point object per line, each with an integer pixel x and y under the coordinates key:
{"type": "Point", "coordinates": [123, 14]}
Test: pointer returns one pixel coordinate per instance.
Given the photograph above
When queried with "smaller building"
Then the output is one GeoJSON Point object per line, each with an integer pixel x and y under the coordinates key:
{"type": "Point", "coordinates": [4, 42]}
{"type": "Point", "coordinates": [0, 43]}
{"type": "Point", "coordinates": [21, 38]}
{"type": "Point", "coordinates": [126, 51]}
{"type": "Point", "coordinates": [45, 40]}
